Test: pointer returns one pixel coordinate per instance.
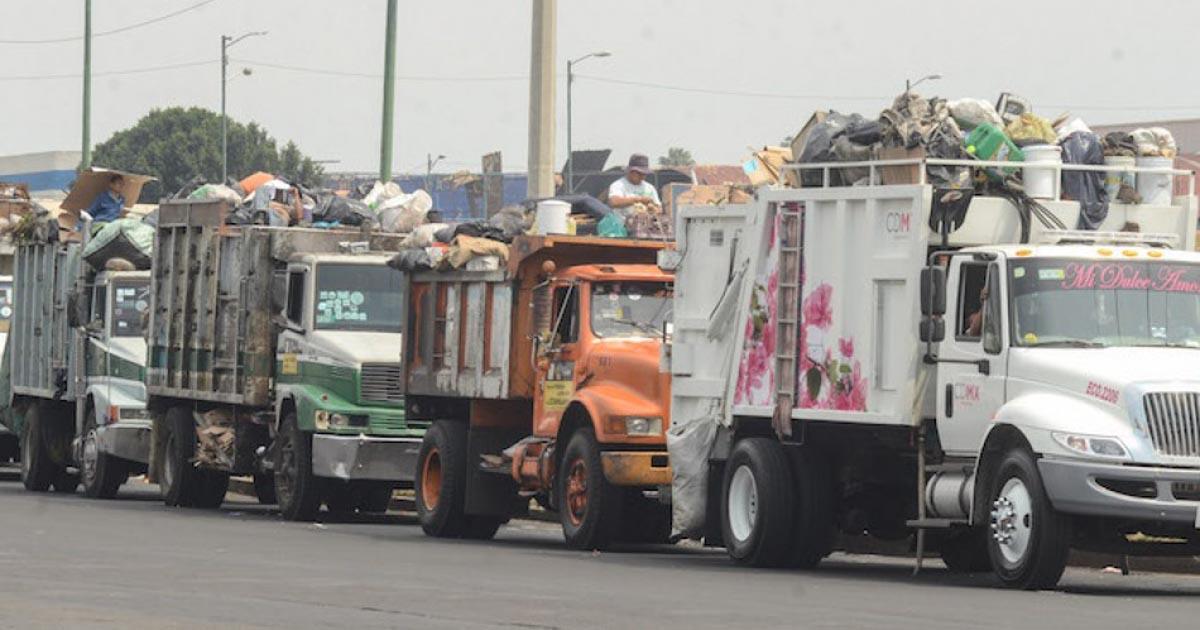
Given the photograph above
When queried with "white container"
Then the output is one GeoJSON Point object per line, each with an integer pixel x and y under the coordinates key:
{"type": "Point", "coordinates": [1155, 188]}
{"type": "Point", "coordinates": [1041, 182]}
{"type": "Point", "coordinates": [1114, 179]}
{"type": "Point", "coordinates": [551, 217]}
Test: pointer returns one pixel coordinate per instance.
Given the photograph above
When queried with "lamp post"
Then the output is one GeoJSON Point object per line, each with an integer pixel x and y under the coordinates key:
{"type": "Point", "coordinates": [431, 162]}
{"type": "Point", "coordinates": [571, 79]}
{"type": "Point", "coordinates": [909, 85]}
{"type": "Point", "coordinates": [226, 42]}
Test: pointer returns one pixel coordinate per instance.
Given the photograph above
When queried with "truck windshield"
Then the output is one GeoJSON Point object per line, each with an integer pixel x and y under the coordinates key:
{"type": "Point", "coordinates": [131, 300]}
{"type": "Point", "coordinates": [630, 309]}
{"type": "Point", "coordinates": [1102, 303]}
{"type": "Point", "coordinates": [361, 297]}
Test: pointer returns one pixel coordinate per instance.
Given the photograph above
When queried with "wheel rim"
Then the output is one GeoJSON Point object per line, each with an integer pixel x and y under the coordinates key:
{"type": "Point", "coordinates": [431, 479]}
{"type": "Point", "coordinates": [1012, 521]}
{"type": "Point", "coordinates": [27, 452]}
{"type": "Point", "coordinates": [285, 476]}
{"type": "Point", "coordinates": [169, 463]}
{"type": "Point", "coordinates": [90, 456]}
{"type": "Point", "coordinates": [742, 503]}
{"type": "Point", "coordinates": [577, 491]}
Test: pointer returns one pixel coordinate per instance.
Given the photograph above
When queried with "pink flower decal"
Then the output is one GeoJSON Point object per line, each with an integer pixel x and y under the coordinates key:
{"type": "Point", "coordinates": [817, 310]}
{"type": "Point", "coordinates": [846, 346]}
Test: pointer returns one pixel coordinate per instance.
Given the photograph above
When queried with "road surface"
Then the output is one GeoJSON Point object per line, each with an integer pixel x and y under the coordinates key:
{"type": "Point", "coordinates": [66, 561]}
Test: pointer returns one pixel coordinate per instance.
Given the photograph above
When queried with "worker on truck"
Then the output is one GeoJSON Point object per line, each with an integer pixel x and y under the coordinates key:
{"type": "Point", "coordinates": [109, 204]}
{"type": "Point", "coordinates": [633, 188]}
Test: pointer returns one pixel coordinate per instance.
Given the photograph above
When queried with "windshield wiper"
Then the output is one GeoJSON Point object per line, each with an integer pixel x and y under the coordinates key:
{"type": "Point", "coordinates": [1066, 343]}
{"type": "Point", "coordinates": [642, 326]}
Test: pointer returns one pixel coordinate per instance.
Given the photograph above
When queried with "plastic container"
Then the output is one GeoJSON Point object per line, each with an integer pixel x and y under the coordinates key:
{"type": "Point", "coordinates": [987, 142]}
{"type": "Point", "coordinates": [1039, 176]}
{"type": "Point", "coordinates": [1155, 188]}
{"type": "Point", "coordinates": [551, 217]}
{"type": "Point", "coordinates": [1114, 179]}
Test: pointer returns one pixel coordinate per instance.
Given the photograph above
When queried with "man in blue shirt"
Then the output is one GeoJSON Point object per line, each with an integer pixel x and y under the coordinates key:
{"type": "Point", "coordinates": [109, 204]}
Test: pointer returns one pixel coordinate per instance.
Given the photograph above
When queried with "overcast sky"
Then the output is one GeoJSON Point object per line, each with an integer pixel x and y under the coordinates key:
{"type": "Point", "coordinates": [463, 65]}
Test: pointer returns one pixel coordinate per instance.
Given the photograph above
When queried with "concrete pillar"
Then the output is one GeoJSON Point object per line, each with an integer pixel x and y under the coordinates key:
{"type": "Point", "coordinates": [543, 54]}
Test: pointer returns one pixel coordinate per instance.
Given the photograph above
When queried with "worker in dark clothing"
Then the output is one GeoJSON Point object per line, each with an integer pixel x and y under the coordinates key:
{"type": "Point", "coordinates": [109, 204]}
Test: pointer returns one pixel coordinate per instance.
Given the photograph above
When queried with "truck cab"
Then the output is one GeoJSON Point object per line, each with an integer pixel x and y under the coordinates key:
{"type": "Point", "coordinates": [338, 374]}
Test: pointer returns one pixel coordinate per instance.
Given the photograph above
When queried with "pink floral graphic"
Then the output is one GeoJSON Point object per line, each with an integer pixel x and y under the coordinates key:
{"type": "Point", "coordinates": [817, 312]}
{"type": "Point", "coordinates": [756, 373]}
{"type": "Point", "coordinates": [830, 382]}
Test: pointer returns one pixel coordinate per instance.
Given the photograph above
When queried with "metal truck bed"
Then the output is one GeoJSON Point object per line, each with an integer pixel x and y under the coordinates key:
{"type": "Point", "coordinates": [40, 336]}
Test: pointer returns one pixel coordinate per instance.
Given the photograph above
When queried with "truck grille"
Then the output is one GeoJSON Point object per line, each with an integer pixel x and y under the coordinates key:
{"type": "Point", "coordinates": [1174, 421]}
{"type": "Point", "coordinates": [381, 383]}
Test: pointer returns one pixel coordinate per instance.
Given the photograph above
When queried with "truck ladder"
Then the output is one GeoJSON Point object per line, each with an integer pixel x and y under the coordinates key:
{"type": "Point", "coordinates": [787, 322]}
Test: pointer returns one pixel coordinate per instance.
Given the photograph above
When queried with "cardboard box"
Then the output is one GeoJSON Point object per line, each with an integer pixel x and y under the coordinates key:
{"type": "Point", "coordinates": [906, 174]}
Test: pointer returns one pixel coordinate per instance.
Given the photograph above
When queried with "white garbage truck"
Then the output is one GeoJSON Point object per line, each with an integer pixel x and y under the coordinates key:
{"type": "Point", "coordinates": [904, 362]}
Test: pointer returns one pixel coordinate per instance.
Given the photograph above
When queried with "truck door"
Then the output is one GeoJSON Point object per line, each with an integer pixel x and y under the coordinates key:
{"type": "Point", "coordinates": [972, 365]}
{"type": "Point", "coordinates": [556, 365]}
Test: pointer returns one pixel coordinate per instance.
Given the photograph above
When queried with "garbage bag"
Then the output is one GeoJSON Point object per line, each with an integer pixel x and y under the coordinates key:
{"type": "Point", "coordinates": [416, 259]}
{"type": "Point", "coordinates": [1120, 143]}
{"type": "Point", "coordinates": [480, 229]}
{"type": "Point", "coordinates": [126, 238]}
{"type": "Point", "coordinates": [1086, 187]}
{"type": "Point", "coordinates": [969, 113]}
{"type": "Point", "coordinates": [216, 191]}
{"type": "Point", "coordinates": [1154, 142]}
{"type": "Point", "coordinates": [422, 235]}
{"type": "Point", "coordinates": [1029, 128]}
{"type": "Point", "coordinates": [914, 121]}
{"type": "Point", "coordinates": [612, 226]}
{"type": "Point", "coordinates": [445, 235]}
{"type": "Point", "coordinates": [511, 221]}
{"type": "Point", "coordinates": [381, 192]}
{"type": "Point", "coordinates": [467, 247]}
{"type": "Point", "coordinates": [688, 445]}
{"type": "Point", "coordinates": [335, 209]}
{"type": "Point", "coordinates": [819, 147]}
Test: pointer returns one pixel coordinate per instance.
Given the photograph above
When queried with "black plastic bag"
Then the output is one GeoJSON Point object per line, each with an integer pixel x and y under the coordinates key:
{"type": "Point", "coordinates": [1086, 187]}
{"type": "Point", "coordinates": [335, 209]}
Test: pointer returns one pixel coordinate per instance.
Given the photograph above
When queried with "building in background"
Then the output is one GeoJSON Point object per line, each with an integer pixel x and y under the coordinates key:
{"type": "Point", "coordinates": [48, 173]}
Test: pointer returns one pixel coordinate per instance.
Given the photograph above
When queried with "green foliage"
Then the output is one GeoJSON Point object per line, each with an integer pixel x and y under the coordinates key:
{"type": "Point", "coordinates": [177, 144]}
{"type": "Point", "coordinates": [676, 157]}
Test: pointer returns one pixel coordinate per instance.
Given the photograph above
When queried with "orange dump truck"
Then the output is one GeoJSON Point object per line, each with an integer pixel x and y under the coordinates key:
{"type": "Point", "coordinates": [542, 379]}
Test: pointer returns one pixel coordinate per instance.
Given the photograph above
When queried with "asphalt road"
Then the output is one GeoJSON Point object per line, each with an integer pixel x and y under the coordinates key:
{"type": "Point", "coordinates": [66, 561]}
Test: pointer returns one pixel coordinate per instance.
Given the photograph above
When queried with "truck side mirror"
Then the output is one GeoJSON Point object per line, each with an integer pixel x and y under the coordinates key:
{"type": "Point", "coordinates": [933, 291]}
{"type": "Point", "coordinates": [933, 329]}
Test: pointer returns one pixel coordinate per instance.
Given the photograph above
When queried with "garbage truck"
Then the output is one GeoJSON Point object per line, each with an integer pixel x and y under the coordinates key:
{"type": "Point", "coordinates": [10, 446]}
{"type": "Point", "coordinates": [960, 371]}
{"type": "Point", "coordinates": [541, 377]}
{"type": "Point", "coordinates": [274, 352]}
{"type": "Point", "coordinates": [74, 360]}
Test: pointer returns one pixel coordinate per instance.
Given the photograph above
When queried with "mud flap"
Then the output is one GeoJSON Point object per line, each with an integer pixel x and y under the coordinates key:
{"type": "Point", "coordinates": [489, 493]}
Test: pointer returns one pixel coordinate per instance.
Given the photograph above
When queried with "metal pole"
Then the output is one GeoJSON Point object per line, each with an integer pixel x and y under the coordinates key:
{"type": "Point", "coordinates": [224, 118]}
{"type": "Point", "coordinates": [389, 84]}
{"type": "Point", "coordinates": [541, 99]}
{"type": "Point", "coordinates": [87, 84]}
{"type": "Point", "coordinates": [428, 170]}
{"type": "Point", "coordinates": [570, 154]}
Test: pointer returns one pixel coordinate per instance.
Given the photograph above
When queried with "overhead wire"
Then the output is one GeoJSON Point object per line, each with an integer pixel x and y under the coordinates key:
{"type": "Point", "coordinates": [110, 73]}
{"type": "Point", "coordinates": [122, 29]}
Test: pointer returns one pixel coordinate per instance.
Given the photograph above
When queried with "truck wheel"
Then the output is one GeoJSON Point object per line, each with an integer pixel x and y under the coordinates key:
{"type": "Point", "coordinates": [178, 479]}
{"type": "Point", "coordinates": [264, 488]}
{"type": "Point", "coordinates": [589, 508]}
{"type": "Point", "coordinates": [966, 551]}
{"type": "Point", "coordinates": [38, 470]}
{"type": "Point", "coordinates": [299, 491]}
{"type": "Point", "coordinates": [1029, 541]}
{"type": "Point", "coordinates": [813, 513]}
{"type": "Point", "coordinates": [101, 473]}
{"type": "Point", "coordinates": [757, 504]}
{"type": "Point", "coordinates": [441, 483]}
{"type": "Point", "coordinates": [211, 489]}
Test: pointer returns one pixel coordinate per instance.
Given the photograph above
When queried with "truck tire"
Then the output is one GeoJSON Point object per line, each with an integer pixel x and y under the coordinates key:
{"type": "Point", "coordinates": [966, 551]}
{"type": "Point", "coordinates": [757, 507]}
{"type": "Point", "coordinates": [211, 489]}
{"type": "Point", "coordinates": [1028, 540]}
{"type": "Point", "coordinates": [178, 478]}
{"type": "Point", "coordinates": [441, 482]}
{"type": "Point", "coordinates": [813, 519]}
{"type": "Point", "coordinates": [299, 491]}
{"type": "Point", "coordinates": [264, 488]}
{"type": "Point", "coordinates": [589, 507]}
{"type": "Point", "coordinates": [101, 473]}
{"type": "Point", "coordinates": [38, 470]}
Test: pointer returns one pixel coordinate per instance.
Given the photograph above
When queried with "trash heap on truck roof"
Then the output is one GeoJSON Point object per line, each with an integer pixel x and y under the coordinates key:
{"type": "Point", "coordinates": [936, 133]}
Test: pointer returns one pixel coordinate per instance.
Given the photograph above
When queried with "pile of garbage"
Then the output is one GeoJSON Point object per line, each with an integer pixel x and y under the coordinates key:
{"type": "Point", "coordinates": [478, 245]}
{"type": "Point", "coordinates": [971, 128]}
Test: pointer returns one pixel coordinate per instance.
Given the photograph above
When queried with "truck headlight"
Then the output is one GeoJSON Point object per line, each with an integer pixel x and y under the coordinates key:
{"type": "Point", "coordinates": [1092, 445]}
{"type": "Point", "coordinates": [321, 420]}
{"type": "Point", "coordinates": [641, 425]}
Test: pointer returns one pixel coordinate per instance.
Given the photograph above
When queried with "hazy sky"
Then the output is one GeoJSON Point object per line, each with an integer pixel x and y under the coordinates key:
{"type": "Point", "coordinates": [462, 66]}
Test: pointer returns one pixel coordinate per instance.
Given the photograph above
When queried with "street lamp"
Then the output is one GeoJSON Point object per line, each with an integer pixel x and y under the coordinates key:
{"type": "Point", "coordinates": [909, 85]}
{"type": "Point", "coordinates": [570, 80]}
{"type": "Point", "coordinates": [226, 42]}
{"type": "Point", "coordinates": [431, 162]}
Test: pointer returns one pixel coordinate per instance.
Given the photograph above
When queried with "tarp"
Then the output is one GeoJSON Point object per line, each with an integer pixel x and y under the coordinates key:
{"type": "Point", "coordinates": [252, 182]}
{"type": "Point", "coordinates": [93, 181]}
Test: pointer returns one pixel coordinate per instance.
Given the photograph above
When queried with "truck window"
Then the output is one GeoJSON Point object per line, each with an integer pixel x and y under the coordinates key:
{"type": "Point", "coordinates": [630, 309]}
{"type": "Point", "coordinates": [991, 312]}
{"type": "Point", "coordinates": [131, 301]}
{"type": "Point", "coordinates": [295, 297]}
{"type": "Point", "coordinates": [358, 296]}
{"type": "Point", "coordinates": [99, 302]}
{"type": "Point", "coordinates": [566, 314]}
{"type": "Point", "coordinates": [971, 295]}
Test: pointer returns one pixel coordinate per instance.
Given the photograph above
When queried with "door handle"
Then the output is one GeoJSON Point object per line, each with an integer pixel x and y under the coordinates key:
{"type": "Point", "coordinates": [949, 400]}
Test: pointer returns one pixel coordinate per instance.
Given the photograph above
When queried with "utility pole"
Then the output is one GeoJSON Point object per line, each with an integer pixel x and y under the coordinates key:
{"type": "Point", "coordinates": [389, 95]}
{"type": "Point", "coordinates": [226, 42]}
{"type": "Point", "coordinates": [87, 84]}
{"type": "Point", "coordinates": [541, 99]}
{"type": "Point", "coordinates": [431, 162]}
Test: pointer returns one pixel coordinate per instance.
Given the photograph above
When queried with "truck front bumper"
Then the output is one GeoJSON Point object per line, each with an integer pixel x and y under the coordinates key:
{"type": "Point", "coordinates": [1129, 492]}
{"type": "Point", "coordinates": [127, 439]}
{"type": "Point", "coordinates": [352, 457]}
{"type": "Point", "coordinates": [636, 468]}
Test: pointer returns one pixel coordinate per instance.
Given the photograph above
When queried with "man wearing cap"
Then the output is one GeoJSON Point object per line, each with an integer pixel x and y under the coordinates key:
{"type": "Point", "coordinates": [109, 204]}
{"type": "Point", "coordinates": [633, 187]}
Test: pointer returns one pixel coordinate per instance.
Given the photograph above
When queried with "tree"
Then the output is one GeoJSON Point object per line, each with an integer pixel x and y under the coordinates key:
{"type": "Point", "coordinates": [676, 156]}
{"type": "Point", "coordinates": [179, 144]}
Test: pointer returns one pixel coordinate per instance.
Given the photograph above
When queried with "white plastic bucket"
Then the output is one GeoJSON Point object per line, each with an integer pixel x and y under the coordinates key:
{"type": "Point", "coordinates": [1155, 188]}
{"type": "Point", "coordinates": [551, 217]}
{"type": "Point", "coordinates": [1041, 182]}
{"type": "Point", "coordinates": [1114, 179]}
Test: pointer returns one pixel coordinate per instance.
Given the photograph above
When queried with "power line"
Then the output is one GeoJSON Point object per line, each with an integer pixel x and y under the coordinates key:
{"type": "Point", "coordinates": [367, 75]}
{"type": "Point", "coordinates": [111, 73]}
{"type": "Point", "coordinates": [695, 90]}
{"type": "Point", "coordinates": [130, 27]}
